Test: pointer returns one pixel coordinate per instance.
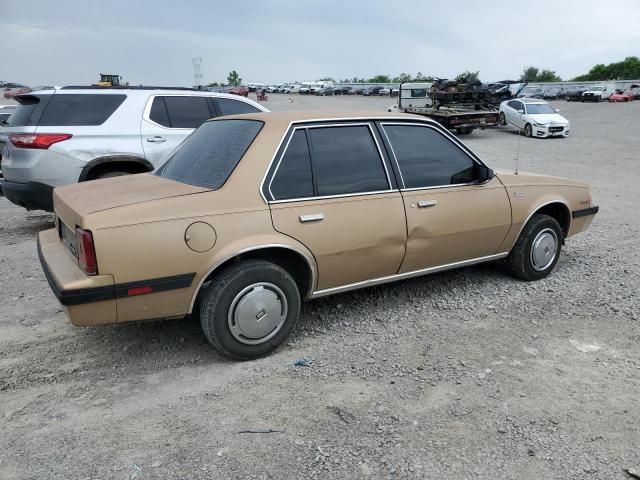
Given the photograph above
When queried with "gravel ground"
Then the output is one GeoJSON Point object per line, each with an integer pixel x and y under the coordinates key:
{"type": "Point", "coordinates": [465, 374]}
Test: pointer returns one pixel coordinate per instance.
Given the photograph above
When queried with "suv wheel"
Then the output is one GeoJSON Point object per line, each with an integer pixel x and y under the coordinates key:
{"type": "Point", "coordinates": [249, 309]}
{"type": "Point", "coordinates": [537, 250]}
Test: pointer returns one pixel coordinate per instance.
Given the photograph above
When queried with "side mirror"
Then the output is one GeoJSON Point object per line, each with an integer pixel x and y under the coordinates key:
{"type": "Point", "coordinates": [521, 111]}
{"type": "Point", "coordinates": [484, 173]}
{"type": "Point", "coordinates": [557, 110]}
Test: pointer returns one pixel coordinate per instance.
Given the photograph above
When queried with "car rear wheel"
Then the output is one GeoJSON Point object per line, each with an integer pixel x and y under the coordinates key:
{"type": "Point", "coordinates": [528, 131]}
{"type": "Point", "coordinates": [502, 119]}
{"type": "Point", "coordinates": [537, 250]}
{"type": "Point", "coordinates": [249, 309]}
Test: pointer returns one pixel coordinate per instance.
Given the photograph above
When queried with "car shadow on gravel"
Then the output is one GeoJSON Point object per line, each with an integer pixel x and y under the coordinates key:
{"type": "Point", "coordinates": [26, 226]}
{"type": "Point", "coordinates": [159, 344]}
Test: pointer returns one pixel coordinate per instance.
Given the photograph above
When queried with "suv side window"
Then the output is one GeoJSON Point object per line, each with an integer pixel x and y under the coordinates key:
{"type": "Point", "coordinates": [346, 160]}
{"type": "Point", "coordinates": [228, 106]}
{"type": "Point", "coordinates": [426, 158]}
{"type": "Point", "coordinates": [159, 113]}
{"type": "Point", "coordinates": [293, 178]}
{"type": "Point", "coordinates": [77, 109]}
{"type": "Point", "coordinates": [182, 111]}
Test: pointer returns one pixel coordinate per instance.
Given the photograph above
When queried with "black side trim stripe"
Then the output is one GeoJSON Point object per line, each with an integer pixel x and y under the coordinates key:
{"type": "Point", "coordinates": [157, 284]}
{"type": "Point", "coordinates": [585, 212]}
{"type": "Point", "coordinates": [111, 292]}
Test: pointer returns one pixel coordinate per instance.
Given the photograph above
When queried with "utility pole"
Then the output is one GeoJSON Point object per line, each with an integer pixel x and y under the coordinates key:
{"type": "Point", "coordinates": [197, 71]}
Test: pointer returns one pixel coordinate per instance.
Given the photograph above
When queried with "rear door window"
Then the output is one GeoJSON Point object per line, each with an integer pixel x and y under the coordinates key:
{"type": "Point", "coordinates": [187, 111]}
{"type": "Point", "coordinates": [228, 106]}
{"type": "Point", "coordinates": [211, 153]}
{"type": "Point", "coordinates": [346, 160]}
{"type": "Point", "coordinates": [159, 113]}
{"type": "Point", "coordinates": [79, 109]}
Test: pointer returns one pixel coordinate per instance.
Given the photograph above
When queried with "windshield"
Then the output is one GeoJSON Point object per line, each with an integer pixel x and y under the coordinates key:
{"type": "Point", "coordinates": [211, 153]}
{"type": "Point", "coordinates": [539, 108]}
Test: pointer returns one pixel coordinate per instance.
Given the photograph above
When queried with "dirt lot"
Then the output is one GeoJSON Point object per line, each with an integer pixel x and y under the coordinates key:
{"type": "Point", "coordinates": [466, 374]}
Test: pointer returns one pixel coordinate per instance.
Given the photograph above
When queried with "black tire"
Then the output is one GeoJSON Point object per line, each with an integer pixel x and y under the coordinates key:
{"type": "Point", "coordinates": [502, 119]}
{"type": "Point", "coordinates": [520, 260]}
{"type": "Point", "coordinates": [528, 131]}
{"type": "Point", "coordinates": [222, 294]}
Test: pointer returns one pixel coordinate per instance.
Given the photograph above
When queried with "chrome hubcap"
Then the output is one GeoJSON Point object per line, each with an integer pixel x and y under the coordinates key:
{"type": "Point", "coordinates": [257, 313]}
{"type": "Point", "coordinates": [544, 249]}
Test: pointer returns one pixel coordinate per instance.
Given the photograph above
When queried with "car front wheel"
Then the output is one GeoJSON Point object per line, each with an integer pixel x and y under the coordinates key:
{"type": "Point", "coordinates": [537, 249]}
{"type": "Point", "coordinates": [528, 131]}
{"type": "Point", "coordinates": [502, 119]}
{"type": "Point", "coordinates": [249, 309]}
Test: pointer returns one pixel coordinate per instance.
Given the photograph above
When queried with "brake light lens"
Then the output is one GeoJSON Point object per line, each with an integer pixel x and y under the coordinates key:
{"type": "Point", "coordinates": [40, 141]}
{"type": "Point", "coordinates": [86, 251]}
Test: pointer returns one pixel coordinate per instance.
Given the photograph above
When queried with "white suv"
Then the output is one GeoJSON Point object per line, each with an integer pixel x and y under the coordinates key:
{"type": "Point", "coordinates": [58, 137]}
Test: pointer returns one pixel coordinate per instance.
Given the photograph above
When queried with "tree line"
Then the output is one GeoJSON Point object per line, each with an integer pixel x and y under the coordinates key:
{"type": "Point", "coordinates": [627, 69]}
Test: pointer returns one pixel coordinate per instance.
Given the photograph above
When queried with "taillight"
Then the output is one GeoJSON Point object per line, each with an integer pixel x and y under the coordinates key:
{"type": "Point", "coordinates": [40, 141]}
{"type": "Point", "coordinates": [86, 251]}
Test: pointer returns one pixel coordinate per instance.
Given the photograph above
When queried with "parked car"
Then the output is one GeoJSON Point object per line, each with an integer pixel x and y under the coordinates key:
{"type": "Point", "coordinates": [386, 91]}
{"type": "Point", "coordinates": [305, 89]}
{"type": "Point", "coordinates": [622, 96]}
{"type": "Point", "coordinates": [395, 91]}
{"type": "Point", "coordinates": [596, 93]}
{"type": "Point", "coordinates": [13, 89]}
{"type": "Point", "coordinates": [324, 91]}
{"type": "Point", "coordinates": [58, 137]}
{"type": "Point", "coordinates": [368, 92]}
{"type": "Point", "coordinates": [536, 118]}
{"type": "Point", "coordinates": [553, 93]}
{"type": "Point", "coordinates": [574, 93]}
{"type": "Point", "coordinates": [241, 90]}
{"type": "Point", "coordinates": [5, 113]}
{"type": "Point", "coordinates": [531, 92]}
{"type": "Point", "coordinates": [241, 233]}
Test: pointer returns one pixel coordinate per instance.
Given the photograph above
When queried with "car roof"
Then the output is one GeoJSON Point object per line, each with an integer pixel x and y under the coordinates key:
{"type": "Point", "coordinates": [283, 119]}
{"type": "Point", "coordinates": [531, 100]}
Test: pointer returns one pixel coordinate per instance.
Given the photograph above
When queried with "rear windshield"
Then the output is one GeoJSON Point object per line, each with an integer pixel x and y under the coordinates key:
{"type": "Point", "coordinates": [51, 110]}
{"type": "Point", "coordinates": [211, 153]}
{"type": "Point", "coordinates": [29, 111]}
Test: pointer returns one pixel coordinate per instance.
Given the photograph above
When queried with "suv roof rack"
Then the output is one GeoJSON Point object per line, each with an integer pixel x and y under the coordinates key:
{"type": "Point", "coordinates": [131, 87]}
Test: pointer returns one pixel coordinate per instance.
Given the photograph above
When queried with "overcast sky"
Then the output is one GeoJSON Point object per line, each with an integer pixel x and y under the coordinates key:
{"type": "Point", "coordinates": [64, 42]}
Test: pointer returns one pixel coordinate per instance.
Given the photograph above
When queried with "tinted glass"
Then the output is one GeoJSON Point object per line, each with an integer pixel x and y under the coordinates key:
{"type": "Point", "coordinates": [234, 107]}
{"type": "Point", "coordinates": [293, 178]}
{"type": "Point", "coordinates": [346, 160]}
{"type": "Point", "coordinates": [427, 158]}
{"type": "Point", "coordinates": [29, 111]}
{"type": "Point", "coordinates": [209, 155]}
{"type": "Point", "coordinates": [158, 112]}
{"type": "Point", "coordinates": [4, 117]}
{"type": "Point", "coordinates": [187, 112]}
{"type": "Point", "coordinates": [513, 104]}
{"type": "Point", "coordinates": [80, 109]}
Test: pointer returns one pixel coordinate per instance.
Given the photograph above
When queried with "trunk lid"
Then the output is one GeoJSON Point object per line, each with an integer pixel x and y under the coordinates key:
{"type": "Point", "coordinates": [72, 202]}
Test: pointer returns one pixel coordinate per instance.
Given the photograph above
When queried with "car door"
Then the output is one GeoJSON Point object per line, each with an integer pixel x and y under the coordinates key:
{"type": "Point", "coordinates": [332, 190]}
{"type": "Point", "coordinates": [512, 114]}
{"type": "Point", "coordinates": [168, 120]}
{"type": "Point", "coordinates": [450, 216]}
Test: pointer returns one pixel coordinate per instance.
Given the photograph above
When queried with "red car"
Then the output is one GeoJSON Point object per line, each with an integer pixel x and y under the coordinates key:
{"type": "Point", "coordinates": [622, 96]}
{"type": "Point", "coordinates": [240, 90]}
{"type": "Point", "coordinates": [13, 89]}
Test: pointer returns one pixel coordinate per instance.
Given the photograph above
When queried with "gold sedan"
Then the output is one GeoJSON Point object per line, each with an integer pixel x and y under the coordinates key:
{"type": "Point", "coordinates": [254, 213]}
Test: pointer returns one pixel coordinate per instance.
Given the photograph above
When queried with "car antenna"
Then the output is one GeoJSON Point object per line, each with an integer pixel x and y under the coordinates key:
{"type": "Point", "coordinates": [517, 151]}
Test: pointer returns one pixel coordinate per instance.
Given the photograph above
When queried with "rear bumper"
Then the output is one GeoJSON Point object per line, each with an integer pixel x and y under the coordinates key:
{"type": "Point", "coordinates": [31, 195]}
{"type": "Point", "coordinates": [72, 287]}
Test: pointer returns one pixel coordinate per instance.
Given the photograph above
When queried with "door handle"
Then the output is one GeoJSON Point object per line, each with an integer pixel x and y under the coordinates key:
{"type": "Point", "coordinates": [314, 217]}
{"type": "Point", "coordinates": [427, 203]}
{"type": "Point", "coordinates": [156, 139]}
